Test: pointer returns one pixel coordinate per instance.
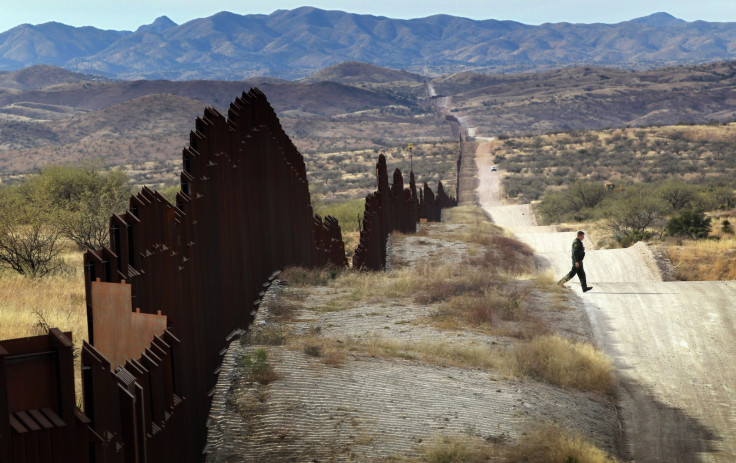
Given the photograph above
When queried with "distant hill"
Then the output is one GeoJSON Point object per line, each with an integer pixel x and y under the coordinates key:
{"type": "Point", "coordinates": [318, 97]}
{"type": "Point", "coordinates": [41, 76]}
{"type": "Point", "coordinates": [334, 110]}
{"type": "Point", "coordinates": [587, 97]}
{"type": "Point", "coordinates": [356, 72]}
{"type": "Point", "coordinates": [296, 43]}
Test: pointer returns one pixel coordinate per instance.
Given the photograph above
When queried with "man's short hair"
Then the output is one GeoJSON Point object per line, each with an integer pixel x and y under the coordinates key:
{"type": "Point", "coordinates": [580, 232]}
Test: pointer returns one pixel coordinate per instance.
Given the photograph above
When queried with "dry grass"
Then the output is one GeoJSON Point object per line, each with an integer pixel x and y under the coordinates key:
{"type": "Point", "coordinates": [471, 296]}
{"type": "Point", "coordinates": [329, 351]}
{"type": "Point", "coordinates": [282, 309]}
{"type": "Point", "coordinates": [542, 443]}
{"type": "Point", "coordinates": [704, 260]}
{"type": "Point", "coordinates": [29, 307]}
{"type": "Point", "coordinates": [456, 449]}
{"type": "Point", "coordinates": [256, 367]}
{"type": "Point", "coordinates": [548, 443]}
{"type": "Point", "coordinates": [266, 335]}
{"type": "Point", "coordinates": [303, 277]}
{"type": "Point", "coordinates": [565, 363]}
{"type": "Point", "coordinates": [482, 308]}
{"type": "Point", "coordinates": [442, 352]}
{"type": "Point", "coordinates": [485, 293]}
{"type": "Point", "coordinates": [476, 226]}
{"type": "Point", "coordinates": [547, 358]}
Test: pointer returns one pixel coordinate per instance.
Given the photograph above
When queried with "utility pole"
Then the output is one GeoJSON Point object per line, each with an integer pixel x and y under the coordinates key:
{"type": "Point", "coordinates": [411, 158]}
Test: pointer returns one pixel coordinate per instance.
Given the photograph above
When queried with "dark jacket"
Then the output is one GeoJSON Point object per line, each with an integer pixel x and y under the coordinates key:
{"type": "Point", "coordinates": [578, 251]}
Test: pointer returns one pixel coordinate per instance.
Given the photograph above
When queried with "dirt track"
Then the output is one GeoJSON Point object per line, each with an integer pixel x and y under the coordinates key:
{"type": "Point", "coordinates": [673, 343]}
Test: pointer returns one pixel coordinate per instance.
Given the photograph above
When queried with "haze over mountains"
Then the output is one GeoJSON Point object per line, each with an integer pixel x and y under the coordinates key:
{"type": "Point", "coordinates": [296, 43]}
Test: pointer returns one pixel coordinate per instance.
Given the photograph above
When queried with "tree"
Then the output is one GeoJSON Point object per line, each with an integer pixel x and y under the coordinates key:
{"type": "Point", "coordinates": [691, 223]}
{"type": "Point", "coordinates": [587, 194]}
{"type": "Point", "coordinates": [85, 198]}
{"type": "Point", "coordinates": [725, 197]}
{"type": "Point", "coordinates": [28, 243]}
{"type": "Point", "coordinates": [61, 202]}
{"type": "Point", "coordinates": [677, 194]}
{"type": "Point", "coordinates": [633, 215]}
{"type": "Point", "coordinates": [577, 202]}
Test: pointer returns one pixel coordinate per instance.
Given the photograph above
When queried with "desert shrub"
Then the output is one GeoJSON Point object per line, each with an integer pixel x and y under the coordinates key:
{"type": "Point", "coordinates": [577, 202]}
{"type": "Point", "coordinates": [689, 223]}
{"type": "Point", "coordinates": [554, 207]}
{"type": "Point", "coordinates": [170, 192]}
{"type": "Point", "coordinates": [524, 188]}
{"type": "Point", "coordinates": [724, 196]}
{"type": "Point", "coordinates": [81, 200]}
{"type": "Point", "coordinates": [678, 195]}
{"type": "Point", "coordinates": [564, 363]}
{"type": "Point", "coordinates": [455, 449]}
{"type": "Point", "coordinates": [633, 215]}
{"type": "Point", "coordinates": [548, 443]}
{"type": "Point", "coordinates": [587, 194]}
{"type": "Point", "coordinates": [30, 244]}
{"type": "Point", "coordinates": [256, 368]}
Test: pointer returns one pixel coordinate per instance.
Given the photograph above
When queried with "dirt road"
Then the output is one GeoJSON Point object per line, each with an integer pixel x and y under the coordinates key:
{"type": "Point", "coordinates": [673, 343]}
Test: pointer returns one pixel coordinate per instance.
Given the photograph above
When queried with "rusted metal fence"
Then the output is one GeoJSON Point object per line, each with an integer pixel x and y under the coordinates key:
{"type": "Point", "coordinates": [176, 283]}
{"type": "Point", "coordinates": [394, 208]}
{"type": "Point", "coordinates": [243, 213]}
{"type": "Point", "coordinates": [39, 420]}
{"type": "Point", "coordinates": [164, 298]}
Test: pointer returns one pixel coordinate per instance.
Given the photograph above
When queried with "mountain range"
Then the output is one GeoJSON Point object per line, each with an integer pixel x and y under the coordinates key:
{"type": "Point", "coordinates": [292, 44]}
{"type": "Point", "coordinates": [51, 115]}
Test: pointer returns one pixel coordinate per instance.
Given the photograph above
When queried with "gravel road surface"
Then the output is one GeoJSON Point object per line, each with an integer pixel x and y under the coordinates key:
{"type": "Point", "coordinates": [673, 343]}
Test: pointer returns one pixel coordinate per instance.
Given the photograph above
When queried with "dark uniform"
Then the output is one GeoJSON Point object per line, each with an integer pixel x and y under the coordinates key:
{"type": "Point", "coordinates": [578, 254]}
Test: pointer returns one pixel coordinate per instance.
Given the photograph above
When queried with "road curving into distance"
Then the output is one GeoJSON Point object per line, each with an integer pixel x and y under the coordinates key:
{"type": "Point", "coordinates": [673, 343]}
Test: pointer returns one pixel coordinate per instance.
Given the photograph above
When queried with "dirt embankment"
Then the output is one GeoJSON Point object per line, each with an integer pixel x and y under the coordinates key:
{"type": "Point", "coordinates": [371, 406]}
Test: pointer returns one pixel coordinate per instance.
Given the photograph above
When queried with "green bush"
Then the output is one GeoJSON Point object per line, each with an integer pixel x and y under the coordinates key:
{"type": "Point", "coordinates": [83, 199]}
{"type": "Point", "coordinates": [61, 201]}
{"type": "Point", "coordinates": [726, 227]}
{"type": "Point", "coordinates": [633, 215]}
{"type": "Point", "coordinates": [678, 195]}
{"type": "Point", "coordinates": [256, 368]}
{"type": "Point", "coordinates": [689, 223]}
{"type": "Point", "coordinates": [578, 202]}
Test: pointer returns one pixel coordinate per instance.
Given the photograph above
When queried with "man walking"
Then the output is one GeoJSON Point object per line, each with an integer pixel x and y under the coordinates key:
{"type": "Point", "coordinates": [578, 254]}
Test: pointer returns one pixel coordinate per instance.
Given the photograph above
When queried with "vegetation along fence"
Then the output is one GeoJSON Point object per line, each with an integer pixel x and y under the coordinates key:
{"type": "Point", "coordinates": [176, 283]}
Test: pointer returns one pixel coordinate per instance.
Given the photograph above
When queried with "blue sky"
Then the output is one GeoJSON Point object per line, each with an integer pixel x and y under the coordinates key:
{"type": "Point", "coordinates": [129, 14]}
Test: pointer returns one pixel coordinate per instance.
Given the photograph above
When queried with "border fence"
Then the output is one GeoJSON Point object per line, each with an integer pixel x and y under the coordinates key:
{"type": "Point", "coordinates": [391, 209]}
{"type": "Point", "coordinates": [176, 283]}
